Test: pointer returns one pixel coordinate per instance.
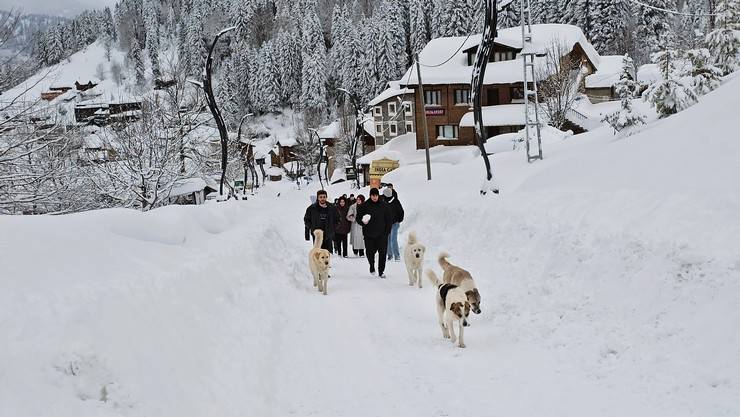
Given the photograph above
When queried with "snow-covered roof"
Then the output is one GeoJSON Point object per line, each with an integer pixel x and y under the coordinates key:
{"type": "Point", "coordinates": [648, 74]}
{"type": "Point", "coordinates": [457, 70]}
{"type": "Point", "coordinates": [394, 89]}
{"type": "Point", "coordinates": [187, 186]}
{"type": "Point", "coordinates": [500, 115]}
{"type": "Point", "coordinates": [610, 69]}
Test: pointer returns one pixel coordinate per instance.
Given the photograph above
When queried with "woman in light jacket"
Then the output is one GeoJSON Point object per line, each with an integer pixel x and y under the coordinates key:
{"type": "Point", "coordinates": [356, 238]}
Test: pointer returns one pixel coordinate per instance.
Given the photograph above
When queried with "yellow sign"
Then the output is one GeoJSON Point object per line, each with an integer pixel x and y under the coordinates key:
{"type": "Point", "coordinates": [380, 167]}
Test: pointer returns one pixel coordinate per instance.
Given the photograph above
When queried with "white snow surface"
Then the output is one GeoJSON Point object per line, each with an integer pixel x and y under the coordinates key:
{"type": "Point", "coordinates": [608, 73]}
{"type": "Point", "coordinates": [499, 115]}
{"type": "Point", "coordinates": [609, 271]}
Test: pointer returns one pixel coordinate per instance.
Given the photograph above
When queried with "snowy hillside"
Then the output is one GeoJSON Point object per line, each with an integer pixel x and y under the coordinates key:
{"type": "Point", "coordinates": [609, 271]}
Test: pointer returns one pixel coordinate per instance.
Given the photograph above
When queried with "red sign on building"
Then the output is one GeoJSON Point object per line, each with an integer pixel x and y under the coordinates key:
{"type": "Point", "coordinates": [435, 112]}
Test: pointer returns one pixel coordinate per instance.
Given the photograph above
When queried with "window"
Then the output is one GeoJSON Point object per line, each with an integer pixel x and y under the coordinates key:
{"type": "Point", "coordinates": [392, 109]}
{"type": "Point", "coordinates": [407, 108]}
{"type": "Point", "coordinates": [447, 132]}
{"type": "Point", "coordinates": [409, 127]}
{"type": "Point", "coordinates": [502, 56]}
{"type": "Point", "coordinates": [393, 128]}
{"type": "Point", "coordinates": [378, 129]}
{"type": "Point", "coordinates": [378, 111]}
{"type": "Point", "coordinates": [433, 98]}
{"type": "Point", "coordinates": [462, 97]}
{"type": "Point", "coordinates": [517, 94]}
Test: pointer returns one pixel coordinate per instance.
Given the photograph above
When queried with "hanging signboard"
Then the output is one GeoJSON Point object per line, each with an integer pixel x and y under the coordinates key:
{"type": "Point", "coordinates": [380, 167]}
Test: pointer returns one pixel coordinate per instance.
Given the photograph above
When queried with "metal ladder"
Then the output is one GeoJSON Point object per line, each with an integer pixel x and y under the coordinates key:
{"type": "Point", "coordinates": [528, 54]}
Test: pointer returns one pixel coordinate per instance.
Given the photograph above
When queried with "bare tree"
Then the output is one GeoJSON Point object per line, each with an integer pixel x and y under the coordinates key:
{"type": "Point", "coordinates": [37, 170]}
{"type": "Point", "coordinates": [146, 164]}
{"type": "Point", "coordinates": [561, 78]}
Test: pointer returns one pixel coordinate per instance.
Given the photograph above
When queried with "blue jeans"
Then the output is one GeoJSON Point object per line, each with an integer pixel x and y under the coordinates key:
{"type": "Point", "coordinates": [393, 251]}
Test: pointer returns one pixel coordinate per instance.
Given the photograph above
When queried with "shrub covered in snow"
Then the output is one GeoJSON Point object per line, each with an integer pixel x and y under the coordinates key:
{"type": "Point", "coordinates": [626, 88]}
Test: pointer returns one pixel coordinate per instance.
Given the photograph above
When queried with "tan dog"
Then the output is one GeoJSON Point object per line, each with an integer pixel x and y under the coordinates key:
{"type": "Point", "coordinates": [413, 256]}
{"type": "Point", "coordinates": [452, 306]}
{"type": "Point", "coordinates": [318, 262]}
{"type": "Point", "coordinates": [457, 276]}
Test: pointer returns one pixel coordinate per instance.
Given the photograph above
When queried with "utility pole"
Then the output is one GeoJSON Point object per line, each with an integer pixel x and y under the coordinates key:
{"type": "Point", "coordinates": [424, 115]}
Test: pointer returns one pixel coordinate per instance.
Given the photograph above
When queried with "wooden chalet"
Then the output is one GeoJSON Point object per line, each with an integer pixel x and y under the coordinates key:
{"type": "Point", "coordinates": [447, 101]}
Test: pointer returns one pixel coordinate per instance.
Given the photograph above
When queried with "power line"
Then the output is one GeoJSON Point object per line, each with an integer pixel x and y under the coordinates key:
{"type": "Point", "coordinates": [672, 11]}
{"type": "Point", "coordinates": [452, 56]}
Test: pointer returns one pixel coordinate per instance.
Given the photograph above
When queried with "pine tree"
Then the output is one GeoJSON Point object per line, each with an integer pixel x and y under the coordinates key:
{"type": "Point", "coordinates": [609, 25]}
{"type": "Point", "coordinates": [313, 74]}
{"type": "Point", "coordinates": [137, 60]}
{"type": "Point", "coordinates": [457, 18]}
{"type": "Point", "coordinates": [674, 92]}
{"type": "Point", "coordinates": [244, 20]}
{"type": "Point", "coordinates": [151, 24]}
{"type": "Point", "coordinates": [722, 41]}
{"type": "Point", "coordinates": [419, 25]}
{"type": "Point", "coordinates": [625, 88]}
{"type": "Point", "coordinates": [195, 37]}
{"type": "Point", "coordinates": [705, 77]}
{"type": "Point", "coordinates": [654, 27]}
{"type": "Point", "coordinates": [391, 58]}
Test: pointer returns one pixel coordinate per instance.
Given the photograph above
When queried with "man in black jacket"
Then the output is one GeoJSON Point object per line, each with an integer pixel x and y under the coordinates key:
{"type": "Point", "coordinates": [324, 216]}
{"type": "Point", "coordinates": [375, 218]}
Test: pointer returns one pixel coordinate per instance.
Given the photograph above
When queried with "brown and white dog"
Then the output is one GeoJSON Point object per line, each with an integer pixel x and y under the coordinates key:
{"type": "Point", "coordinates": [318, 262]}
{"type": "Point", "coordinates": [455, 275]}
{"type": "Point", "coordinates": [413, 256]}
{"type": "Point", "coordinates": [452, 306]}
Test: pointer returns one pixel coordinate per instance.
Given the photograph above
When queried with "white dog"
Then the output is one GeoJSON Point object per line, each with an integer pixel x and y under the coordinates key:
{"type": "Point", "coordinates": [452, 306]}
{"type": "Point", "coordinates": [413, 256]}
{"type": "Point", "coordinates": [318, 262]}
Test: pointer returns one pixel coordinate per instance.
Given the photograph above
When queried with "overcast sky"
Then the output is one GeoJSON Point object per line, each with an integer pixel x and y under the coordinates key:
{"type": "Point", "coordinates": [67, 8]}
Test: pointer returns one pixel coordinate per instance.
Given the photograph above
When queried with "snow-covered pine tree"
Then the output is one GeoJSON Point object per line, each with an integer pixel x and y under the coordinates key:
{"type": "Point", "coordinates": [705, 77]}
{"type": "Point", "coordinates": [419, 28]}
{"type": "Point", "coordinates": [674, 92]}
{"type": "Point", "coordinates": [337, 53]}
{"type": "Point", "coordinates": [151, 25]}
{"type": "Point", "coordinates": [511, 16]}
{"type": "Point", "coordinates": [610, 21]}
{"type": "Point", "coordinates": [653, 29]}
{"type": "Point", "coordinates": [391, 58]}
{"type": "Point", "coordinates": [137, 60]}
{"type": "Point", "coordinates": [723, 41]}
{"type": "Point", "coordinates": [313, 74]}
{"type": "Point", "coordinates": [195, 30]}
{"type": "Point", "coordinates": [268, 76]}
{"type": "Point", "coordinates": [625, 88]}
{"type": "Point", "coordinates": [290, 65]}
{"type": "Point", "coordinates": [456, 18]}
{"type": "Point", "coordinates": [244, 21]}
{"type": "Point", "coordinates": [56, 50]}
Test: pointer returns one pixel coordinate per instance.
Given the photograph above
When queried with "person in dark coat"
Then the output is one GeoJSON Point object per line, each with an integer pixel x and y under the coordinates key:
{"type": "Point", "coordinates": [340, 236]}
{"type": "Point", "coordinates": [375, 217]}
{"type": "Point", "coordinates": [391, 197]}
{"type": "Point", "coordinates": [322, 215]}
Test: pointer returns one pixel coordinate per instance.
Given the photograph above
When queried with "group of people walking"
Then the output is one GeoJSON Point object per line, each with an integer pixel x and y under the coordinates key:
{"type": "Point", "coordinates": [372, 225]}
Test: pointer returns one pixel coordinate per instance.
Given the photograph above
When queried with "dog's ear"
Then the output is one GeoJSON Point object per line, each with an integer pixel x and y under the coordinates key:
{"type": "Point", "coordinates": [456, 308]}
{"type": "Point", "coordinates": [467, 308]}
{"type": "Point", "coordinates": [317, 254]}
{"type": "Point", "coordinates": [423, 248]}
{"type": "Point", "coordinates": [473, 294]}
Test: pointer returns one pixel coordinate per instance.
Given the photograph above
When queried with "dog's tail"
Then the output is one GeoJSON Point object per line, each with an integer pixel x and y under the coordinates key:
{"type": "Point", "coordinates": [318, 235]}
{"type": "Point", "coordinates": [442, 259]}
{"type": "Point", "coordinates": [432, 277]}
{"type": "Point", "coordinates": [412, 238]}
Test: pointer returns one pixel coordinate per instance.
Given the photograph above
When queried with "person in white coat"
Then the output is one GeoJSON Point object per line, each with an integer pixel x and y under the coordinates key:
{"type": "Point", "coordinates": [356, 238]}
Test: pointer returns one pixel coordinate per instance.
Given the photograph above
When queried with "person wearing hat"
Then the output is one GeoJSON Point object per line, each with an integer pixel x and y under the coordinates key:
{"type": "Point", "coordinates": [376, 220]}
{"type": "Point", "coordinates": [391, 197]}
